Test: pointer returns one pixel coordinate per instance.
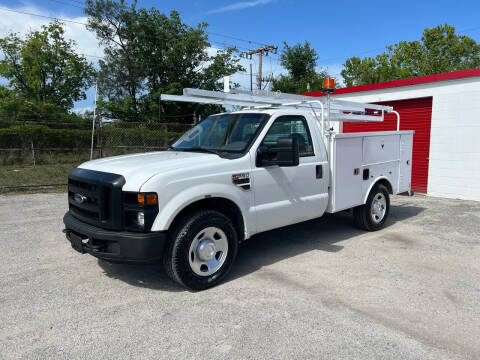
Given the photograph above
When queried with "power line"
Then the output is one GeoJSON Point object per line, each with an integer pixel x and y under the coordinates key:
{"type": "Point", "coordinates": [94, 56]}
{"type": "Point", "coordinates": [224, 44]}
{"type": "Point", "coordinates": [208, 32]}
{"type": "Point", "coordinates": [43, 16]}
{"type": "Point", "coordinates": [243, 73]}
{"type": "Point", "coordinates": [271, 55]}
{"type": "Point", "coordinates": [235, 38]}
{"type": "Point", "coordinates": [77, 1]}
{"type": "Point", "coordinates": [383, 48]}
{"type": "Point", "coordinates": [469, 29]}
{"type": "Point", "coordinates": [64, 3]}
{"type": "Point", "coordinates": [361, 53]}
{"type": "Point", "coordinates": [81, 23]}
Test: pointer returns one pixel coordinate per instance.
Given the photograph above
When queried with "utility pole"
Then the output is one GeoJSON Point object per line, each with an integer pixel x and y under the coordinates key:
{"type": "Point", "coordinates": [251, 78]}
{"type": "Point", "coordinates": [159, 109]}
{"type": "Point", "coordinates": [264, 50]}
{"type": "Point", "coordinates": [259, 80]}
{"type": "Point", "coordinates": [93, 120]}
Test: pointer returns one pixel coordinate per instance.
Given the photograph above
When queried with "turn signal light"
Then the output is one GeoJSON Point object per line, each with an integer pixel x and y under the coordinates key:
{"type": "Point", "coordinates": [147, 199]}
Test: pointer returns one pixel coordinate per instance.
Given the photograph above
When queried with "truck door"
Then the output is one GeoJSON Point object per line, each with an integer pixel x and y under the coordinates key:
{"type": "Point", "coordinates": [287, 195]}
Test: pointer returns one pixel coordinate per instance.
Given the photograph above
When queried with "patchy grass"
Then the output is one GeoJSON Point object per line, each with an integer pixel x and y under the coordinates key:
{"type": "Point", "coordinates": [30, 178]}
{"type": "Point", "coordinates": [34, 190]}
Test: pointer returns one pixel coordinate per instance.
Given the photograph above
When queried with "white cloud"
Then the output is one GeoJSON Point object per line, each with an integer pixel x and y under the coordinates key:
{"type": "Point", "coordinates": [86, 41]}
{"type": "Point", "coordinates": [23, 23]}
{"type": "Point", "coordinates": [82, 110]}
{"type": "Point", "coordinates": [240, 6]}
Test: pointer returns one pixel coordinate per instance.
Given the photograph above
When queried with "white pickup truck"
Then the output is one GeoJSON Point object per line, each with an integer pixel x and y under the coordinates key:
{"type": "Point", "coordinates": [276, 162]}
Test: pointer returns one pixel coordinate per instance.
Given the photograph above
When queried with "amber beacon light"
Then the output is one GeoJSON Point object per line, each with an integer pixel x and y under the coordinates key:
{"type": "Point", "coordinates": [328, 85]}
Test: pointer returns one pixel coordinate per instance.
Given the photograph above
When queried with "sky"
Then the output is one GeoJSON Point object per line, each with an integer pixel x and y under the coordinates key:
{"type": "Point", "coordinates": [336, 29]}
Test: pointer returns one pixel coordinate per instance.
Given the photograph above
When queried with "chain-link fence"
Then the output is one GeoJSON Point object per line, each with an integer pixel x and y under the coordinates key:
{"type": "Point", "coordinates": [34, 154]}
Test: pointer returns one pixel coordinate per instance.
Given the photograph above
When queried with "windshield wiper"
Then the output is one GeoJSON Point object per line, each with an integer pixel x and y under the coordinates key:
{"type": "Point", "coordinates": [200, 149]}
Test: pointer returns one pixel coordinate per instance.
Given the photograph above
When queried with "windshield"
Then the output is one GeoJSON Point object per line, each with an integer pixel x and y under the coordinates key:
{"type": "Point", "coordinates": [222, 133]}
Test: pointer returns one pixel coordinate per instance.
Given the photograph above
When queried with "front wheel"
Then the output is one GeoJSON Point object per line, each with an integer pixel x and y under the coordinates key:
{"type": "Point", "coordinates": [201, 250]}
{"type": "Point", "coordinates": [372, 215]}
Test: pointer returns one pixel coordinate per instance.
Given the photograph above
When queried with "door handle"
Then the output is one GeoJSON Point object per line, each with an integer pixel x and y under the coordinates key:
{"type": "Point", "coordinates": [319, 171]}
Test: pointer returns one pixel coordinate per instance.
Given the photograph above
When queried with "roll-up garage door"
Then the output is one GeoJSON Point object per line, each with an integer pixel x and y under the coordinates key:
{"type": "Point", "coordinates": [415, 114]}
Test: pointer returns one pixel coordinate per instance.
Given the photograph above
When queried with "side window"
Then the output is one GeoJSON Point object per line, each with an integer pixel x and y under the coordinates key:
{"type": "Point", "coordinates": [291, 126]}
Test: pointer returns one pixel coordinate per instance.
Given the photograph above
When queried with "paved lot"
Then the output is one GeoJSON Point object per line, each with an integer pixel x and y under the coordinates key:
{"type": "Point", "coordinates": [321, 289]}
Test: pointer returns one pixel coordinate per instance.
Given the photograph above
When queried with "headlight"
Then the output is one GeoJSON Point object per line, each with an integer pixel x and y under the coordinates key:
{"type": "Point", "coordinates": [139, 210]}
{"type": "Point", "coordinates": [141, 219]}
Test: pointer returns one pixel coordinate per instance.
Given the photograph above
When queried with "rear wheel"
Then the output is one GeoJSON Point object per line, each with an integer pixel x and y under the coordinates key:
{"type": "Point", "coordinates": [372, 215]}
{"type": "Point", "coordinates": [201, 250]}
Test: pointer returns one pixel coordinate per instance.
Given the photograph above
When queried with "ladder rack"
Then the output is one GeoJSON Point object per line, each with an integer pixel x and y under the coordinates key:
{"type": "Point", "coordinates": [328, 108]}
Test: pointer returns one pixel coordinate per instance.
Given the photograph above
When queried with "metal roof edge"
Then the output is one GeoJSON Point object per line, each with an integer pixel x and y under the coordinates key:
{"type": "Point", "coordinates": [460, 74]}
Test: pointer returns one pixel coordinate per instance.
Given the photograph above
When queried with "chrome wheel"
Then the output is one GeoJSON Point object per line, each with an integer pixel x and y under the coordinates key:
{"type": "Point", "coordinates": [378, 208]}
{"type": "Point", "coordinates": [208, 251]}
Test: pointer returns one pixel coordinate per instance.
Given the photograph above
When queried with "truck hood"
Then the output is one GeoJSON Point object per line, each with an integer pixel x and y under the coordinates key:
{"type": "Point", "coordinates": [138, 168]}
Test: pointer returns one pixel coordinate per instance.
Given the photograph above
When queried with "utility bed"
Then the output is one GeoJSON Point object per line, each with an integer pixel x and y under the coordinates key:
{"type": "Point", "coordinates": [359, 160]}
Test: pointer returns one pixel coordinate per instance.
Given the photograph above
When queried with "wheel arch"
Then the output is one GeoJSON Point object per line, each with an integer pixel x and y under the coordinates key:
{"type": "Point", "coordinates": [221, 204]}
{"type": "Point", "coordinates": [381, 180]}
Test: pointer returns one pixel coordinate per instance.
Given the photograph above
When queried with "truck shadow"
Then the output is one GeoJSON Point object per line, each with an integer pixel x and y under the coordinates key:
{"type": "Point", "coordinates": [264, 249]}
{"type": "Point", "coordinates": [150, 276]}
{"type": "Point", "coordinates": [319, 234]}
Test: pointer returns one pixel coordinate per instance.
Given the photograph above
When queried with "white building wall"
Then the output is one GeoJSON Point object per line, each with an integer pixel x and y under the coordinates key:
{"type": "Point", "coordinates": [454, 166]}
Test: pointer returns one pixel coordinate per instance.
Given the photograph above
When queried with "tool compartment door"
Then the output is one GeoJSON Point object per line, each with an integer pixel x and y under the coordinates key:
{"type": "Point", "coordinates": [406, 147]}
{"type": "Point", "coordinates": [347, 179]}
{"type": "Point", "coordinates": [380, 149]}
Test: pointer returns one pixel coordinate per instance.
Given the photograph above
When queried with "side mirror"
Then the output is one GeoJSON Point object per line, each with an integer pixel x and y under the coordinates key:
{"type": "Point", "coordinates": [171, 141]}
{"type": "Point", "coordinates": [284, 153]}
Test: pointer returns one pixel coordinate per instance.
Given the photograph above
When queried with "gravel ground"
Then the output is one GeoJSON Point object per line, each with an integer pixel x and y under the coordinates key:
{"type": "Point", "coordinates": [321, 289]}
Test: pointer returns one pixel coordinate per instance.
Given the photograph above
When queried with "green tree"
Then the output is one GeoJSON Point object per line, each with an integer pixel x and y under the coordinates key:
{"type": "Point", "coordinates": [300, 61]}
{"type": "Point", "coordinates": [18, 108]}
{"type": "Point", "coordinates": [44, 67]}
{"type": "Point", "coordinates": [148, 53]}
{"type": "Point", "coordinates": [439, 50]}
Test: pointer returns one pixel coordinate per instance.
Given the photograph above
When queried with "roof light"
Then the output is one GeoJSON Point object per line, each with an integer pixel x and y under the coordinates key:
{"type": "Point", "coordinates": [328, 85]}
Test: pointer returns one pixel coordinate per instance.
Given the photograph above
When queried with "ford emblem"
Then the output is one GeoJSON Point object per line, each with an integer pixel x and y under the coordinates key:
{"type": "Point", "coordinates": [79, 198]}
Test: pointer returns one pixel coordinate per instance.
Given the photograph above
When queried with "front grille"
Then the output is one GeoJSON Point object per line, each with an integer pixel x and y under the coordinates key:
{"type": "Point", "coordinates": [99, 197]}
{"type": "Point", "coordinates": [91, 205]}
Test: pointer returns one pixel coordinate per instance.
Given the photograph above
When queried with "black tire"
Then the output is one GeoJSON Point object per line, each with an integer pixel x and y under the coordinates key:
{"type": "Point", "coordinates": [176, 256]}
{"type": "Point", "coordinates": [362, 216]}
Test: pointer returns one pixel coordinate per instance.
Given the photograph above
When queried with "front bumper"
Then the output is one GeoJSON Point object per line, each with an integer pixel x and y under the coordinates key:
{"type": "Point", "coordinates": [122, 246]}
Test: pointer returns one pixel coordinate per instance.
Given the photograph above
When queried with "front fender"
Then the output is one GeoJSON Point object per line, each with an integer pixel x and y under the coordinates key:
{"type": "Point", "coordinates": [180, 201]}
